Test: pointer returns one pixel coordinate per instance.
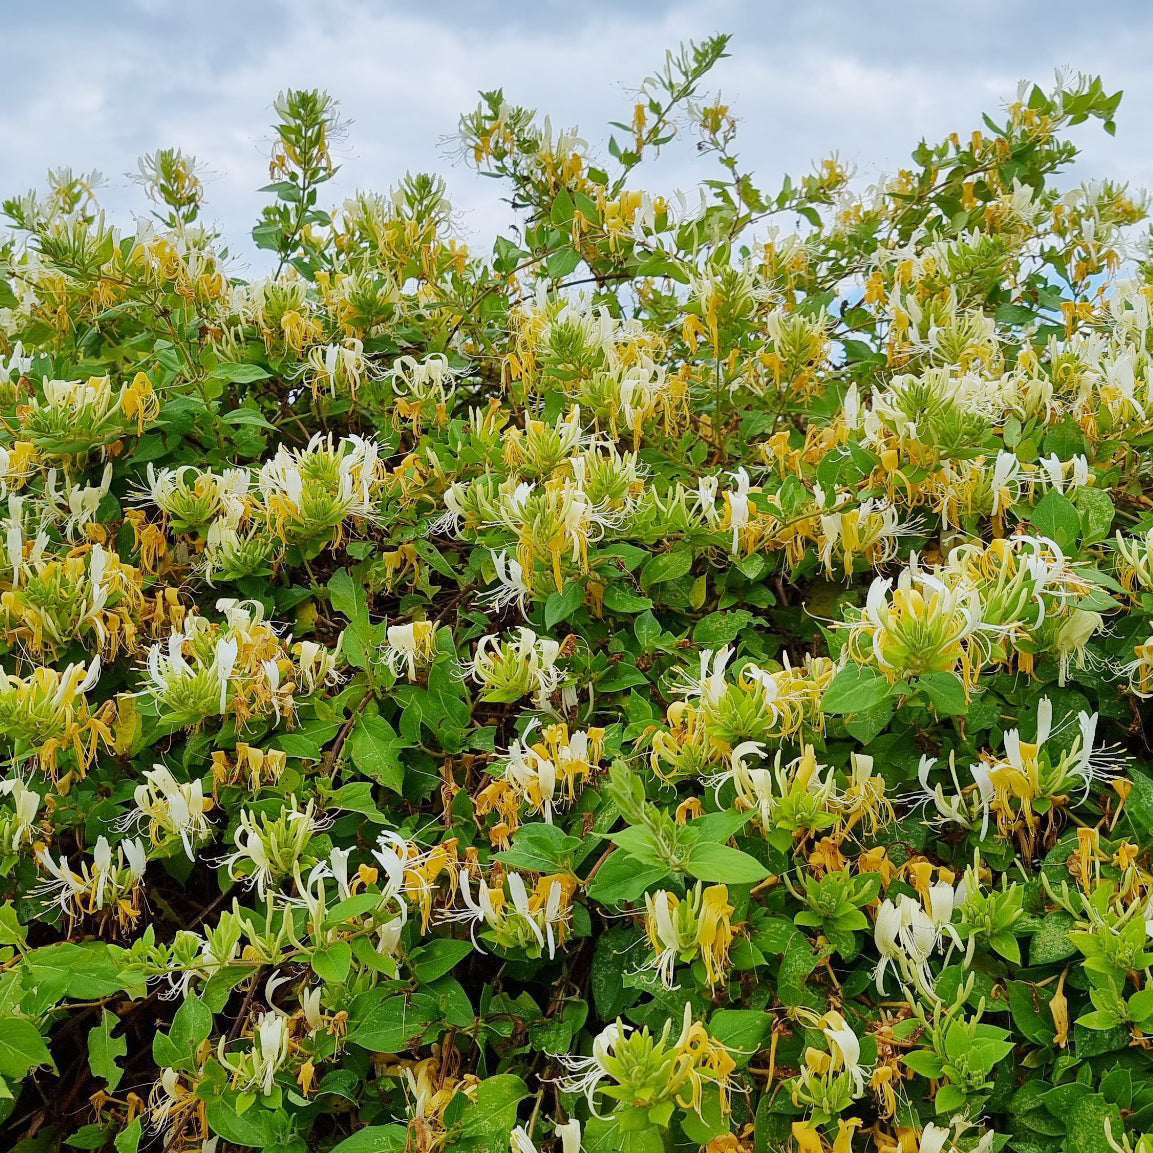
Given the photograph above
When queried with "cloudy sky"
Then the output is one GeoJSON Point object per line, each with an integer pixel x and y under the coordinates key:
{"type": "Point", "coordinates": [94, 85]}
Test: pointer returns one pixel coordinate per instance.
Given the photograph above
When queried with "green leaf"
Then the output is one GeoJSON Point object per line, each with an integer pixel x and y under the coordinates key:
{"type": "Point", "coordinates": [332, 963]}
{"type": "Point", "coordinates": [1087, 1131]}
{"type": "Point", "coordinates": [128, 1139]}
{"type": "Point", "coordinates": [712, 862]}
{"type": "Point", "coordinates": [21, 1048]}
{"type": "Point", "coordinates": [561, 605]}
{"type": "Point", "coordinates": [721, 628]}
{"type": "Point", "coordinates": [620, 599]}
{"type": "Point", "coordinates": [375, 749]}
{"type": "Point", "coordinates": [437, 957]}
{"type": "Point", "coordinates": [239, 373]}
{"type": "Point", "coordinates": [604, 1135]}
{"type": "Point", "coordinates": [104, 1049]}
{"type": "Point", "coordinates": [923, 1062]}
{"type": "Point", "coordinates": [190, 1026]}
{"type": "Point", "coordinates": [541, 848]}
{"type": "Point", "coordinates": [347, 596]}
{"type": "Point", "coordinates": [611, 956]}
{"type": "Point", "coordinates": [798, 962]}
{"type": "Point", "coordinates": [648, 631]}
{"type": "Point", "coordinates": [666, 566]}
{"type": "Point", "coordinates": [623, 878]}
{"type": "Point", "coordinates": [854, 689]}
{"type": "Point", "coordinates": [1056, 518]}
{"type": "Point", "coordinates": [1097, 511]}
{"type": "Point", "coordinates": [945, 692]}
{"type": "Point", "coordinates": [1030, 1008]}
{"type": "Point", "coordinates": [1051, 941]}
{"type": "Point", "coordinates": [246, 418]}
{"type": "Point", "coordinates": [395, 1022]}
{"type": "Point", "coordinates": [561, 262]}
{"type": "Point", "coordinates": [741, 1030]}
{"type": "Point", "coordinates": [246, 1129]}
{"type": "Point", "coordinates": [491, 1116]}
{"type": "Point", "coordinates": [375, 1139]}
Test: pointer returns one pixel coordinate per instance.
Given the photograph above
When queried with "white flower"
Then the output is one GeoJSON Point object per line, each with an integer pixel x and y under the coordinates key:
{"type": "Point", "coordinates": [569, 1134]}
{"type": "Point", "coordinates": [172, 807]}
{"type": "Point", "coordinates": [739, 507]}
{"type": "Point", "coordinates": [906, 936]}
{"type": "Point", "coordinates": [586, 1073]}
{"type": "Point", "coordinates": [511, 588]}
{"type": "Point", "coordinates": [407, 645]}
{"type": "Point", "coordinates": [27, 803]}
{"type": "Point", "coordinates": [846, 1049]}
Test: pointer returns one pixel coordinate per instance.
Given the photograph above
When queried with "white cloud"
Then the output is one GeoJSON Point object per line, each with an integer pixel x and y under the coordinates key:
{"type": "Point", "coordinates": [110, 82]}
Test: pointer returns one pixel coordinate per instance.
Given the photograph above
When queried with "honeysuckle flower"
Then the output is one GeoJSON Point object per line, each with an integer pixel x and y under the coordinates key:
{"type": "Point", "coordinates": [338, 368]}
{"type": "Point", "coordinates": [256, 1068]}
{"type": "Point", "coordinates": [268, 847]}
{"type": "Point", "coordinates": [174, 1109]}
{"type": "Point", "coordinates": [710, 685]}
{"type": "Point", "coordinates": [547, 774]}
{"type": "Point", "coordinates": [172, 809]}
{"type": "Point", "coordinates": [189, 497]}
{"type": "Point", "coordinates": [1030, 778]}
{"type": "Point", "coordinates": [408, 645]}
{"type": "Point", "coordinates": [942, 1139]}
{"type": "Point", "coordinates": [535, 923]}
{"type": "Point", "coordinates": [569, 1134]}
{"type": "Point", "coordinates": [706, 499]}
{"type": "Point", "coordinates": [510, 669]}
{"type": "Point", "coordinates": [16, 365]}
{"type": "Point", "coordinates": [307, 494]}
{"type": "Point", "coordinates": [682, 929]}
{"type": "Point", "coordinates": [511, 587]}
{"type": "Point", "coordinates": [419, 870]}
{"type": "Point", "coordinates": [644, 1071]}
{"type": "Point", "coordinates": [961, 807]}
{"type": "Point", "coordinates": [1063, 476]}
{"type": "Point", "coordinates": [906, 936]}
{"type": "Point", "coordinates": [1073, 636]}
{"type": "Point", "coordinates": [17, 830]}
{"type": "Point", "coordinates": [829, 1082]}
{"type": "Point", "coordinates": [46, 713]}
{"type": "Point", "coordinates": [110, 883]}
{"type": "Point", "coordinates": [922, 625]}
{"type": "Point", "coordinates": [739, 507]}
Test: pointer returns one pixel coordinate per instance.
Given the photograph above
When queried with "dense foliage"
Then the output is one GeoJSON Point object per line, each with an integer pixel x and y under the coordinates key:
{"type": "Point", "coordinates": [675, 680]}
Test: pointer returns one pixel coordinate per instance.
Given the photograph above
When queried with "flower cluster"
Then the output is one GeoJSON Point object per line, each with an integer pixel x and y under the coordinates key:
{"type": "Point", "coordinates": [657, 681]}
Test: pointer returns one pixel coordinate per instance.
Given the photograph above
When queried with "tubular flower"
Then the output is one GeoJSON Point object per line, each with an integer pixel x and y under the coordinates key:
{"type": "Point", "coordinates": [410, 645]}
{"type": "Point", "coordinates": [637, 1070]}
{"type": "Point", "coordinates": [46, 713]}
{"type": "Point", "coordinates": [308, 494]}
{"type": "Point", "coordinates": [239, 668]}
{"type": "Point", "coordinates": [171, 810]}
{"type": "Point", "coordinates": [547, 774]}
{"type": "Point", "coordinates": [270, 848]}
{"type": "Point", "coordinates": [923, 625]}
{"type": "Point", "coordinates": [682, 930]}
{"type": "Point", "coordinates": [75, 416]}
{"type": "Point", "coordinates": [907, 935]}
{"type": "Point", "coordinates": [109, 885]}
{"type": "Point", "coordinates": [536, 923]}
{"type": "Point", "coordinates": [1029, 781]}
{"type": "Point", "coordinates": [830, 1081]}
{"type": "Point", "coordinates": [256, 1068]}
{"type": "Point", "coordinates": [18, 826]}
{"type": "Point", "coordinates": [507, 670]}
{"type": "Point", "coordinates": [421, 869]}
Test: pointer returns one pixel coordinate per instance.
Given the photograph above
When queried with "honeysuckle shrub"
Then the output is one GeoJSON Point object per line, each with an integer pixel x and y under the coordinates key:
{"type": "Point", "coordinates": [672, 679]}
